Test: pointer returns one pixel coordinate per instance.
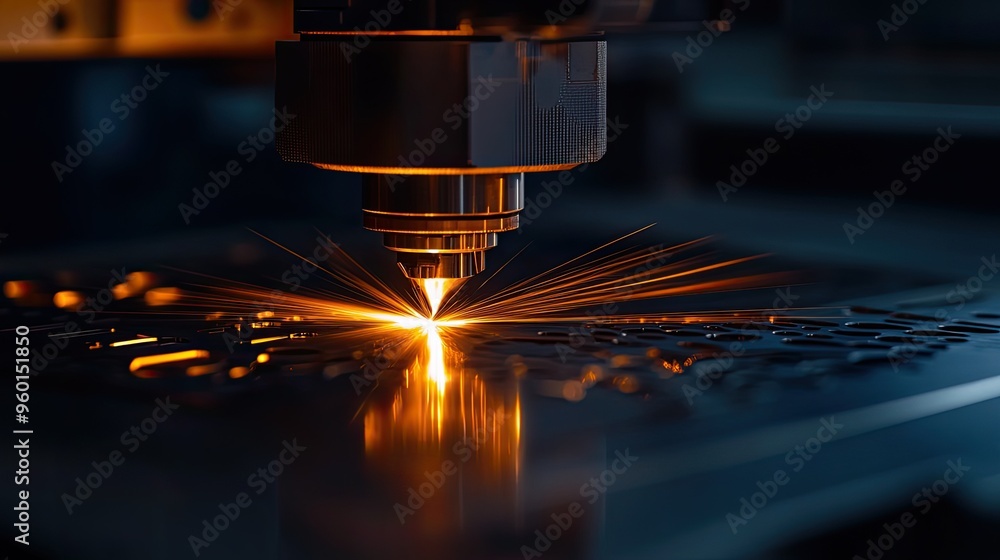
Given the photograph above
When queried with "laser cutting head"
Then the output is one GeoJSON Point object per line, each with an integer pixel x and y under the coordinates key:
{"type": "Point", "coordinates": [444, 107]}
{"type": "Point", "coordinates": [441, 226]}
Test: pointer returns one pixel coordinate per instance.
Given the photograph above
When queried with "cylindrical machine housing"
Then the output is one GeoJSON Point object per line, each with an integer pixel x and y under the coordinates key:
{"type": "Point", "coordinates": [442, 105]}
{"type": "Point", "coordinates": [444, 124]}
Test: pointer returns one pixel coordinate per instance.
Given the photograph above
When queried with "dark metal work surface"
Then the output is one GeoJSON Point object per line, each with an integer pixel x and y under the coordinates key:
{"type": "Point", "coordinates": [708, 409]}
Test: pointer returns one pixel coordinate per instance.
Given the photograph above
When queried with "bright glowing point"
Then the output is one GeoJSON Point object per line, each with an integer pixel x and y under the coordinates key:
{"type": "Point", "coordinates": [423, 332]}
{"type": "Point", "coordinates": [145, 340]}
{"type": "Point", "coordinates": [435, 290]}
{"type": "Point", "coordinates": [414, 322]}
{"type": "Point", "coordinates": [423, 323]}
{"type": "Point", "coordinates": [436, 370]}
{"type": "Point", "coordinates": [427, 321]}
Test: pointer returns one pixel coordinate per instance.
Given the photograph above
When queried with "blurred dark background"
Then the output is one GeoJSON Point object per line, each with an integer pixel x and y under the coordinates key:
{"type": "Point", "coordinates": [892, 90]}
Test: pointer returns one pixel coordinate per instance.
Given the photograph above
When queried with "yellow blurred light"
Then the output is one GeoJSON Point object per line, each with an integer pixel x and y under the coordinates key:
{"type": "Point", "coordinates": [160, 359]}
{"type": "Point", "coordinates": [140, 281]}
{"type": "Point", "coordinates": [621, 360]}
{"type": "Point", "coordinates": [121, 291]}
{"type": "Point", "coordinates": [134, 341]}
{"type": "Point", "coordinates": [268, 339]}
{"type": "Point", "coordinates": [263, 358]}
{"type": "Point", "coordinates": [162, 296]}
{"type": "Point", "coordinates": [436, 370]}
{"type": "Point", "coordinates": [16, 289]}
{"type": "Point", "coordinates": [198, 371]}
{"type": "Point", "coordinates": [626, 383]}
{"type": "Point", "coordinates": [67, 300]}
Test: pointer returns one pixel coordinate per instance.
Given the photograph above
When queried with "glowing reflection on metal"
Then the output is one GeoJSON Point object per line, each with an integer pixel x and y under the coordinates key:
{"type": "Point", "coordinates": [160, 359]}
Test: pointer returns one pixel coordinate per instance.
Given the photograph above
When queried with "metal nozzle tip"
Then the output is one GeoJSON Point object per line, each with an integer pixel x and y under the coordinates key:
{"type": "Point", "coordinates": [442, 265]}
{"type": "Point", "coordinates": [441, 226]}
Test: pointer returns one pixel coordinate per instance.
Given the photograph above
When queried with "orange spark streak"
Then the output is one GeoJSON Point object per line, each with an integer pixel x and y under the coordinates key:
{"type": "Point", "coordinates": [358, 306]}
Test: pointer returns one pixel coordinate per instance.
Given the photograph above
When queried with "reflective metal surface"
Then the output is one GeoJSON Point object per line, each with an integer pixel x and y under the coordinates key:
{"type": "Point", "coordinates": [442, 265]}
{"type": "Point", "coordinates": [442, 195]}
{"type": "Point", "coordinates": [496, 444]}
{"type": "Point", "coordinates": [441, 226]}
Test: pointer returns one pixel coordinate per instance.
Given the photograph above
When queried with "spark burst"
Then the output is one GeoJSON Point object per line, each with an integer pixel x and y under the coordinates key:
{"type": "Point", "coordinates": [423, 328]}
{"type": "Point", "coordinates": [358, 306]}
{"type": "Point", "coordinates": [438, 400]}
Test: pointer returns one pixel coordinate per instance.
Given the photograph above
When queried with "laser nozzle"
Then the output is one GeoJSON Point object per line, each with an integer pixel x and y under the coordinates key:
{"type": "Point", "coordinates": [440, 226]}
